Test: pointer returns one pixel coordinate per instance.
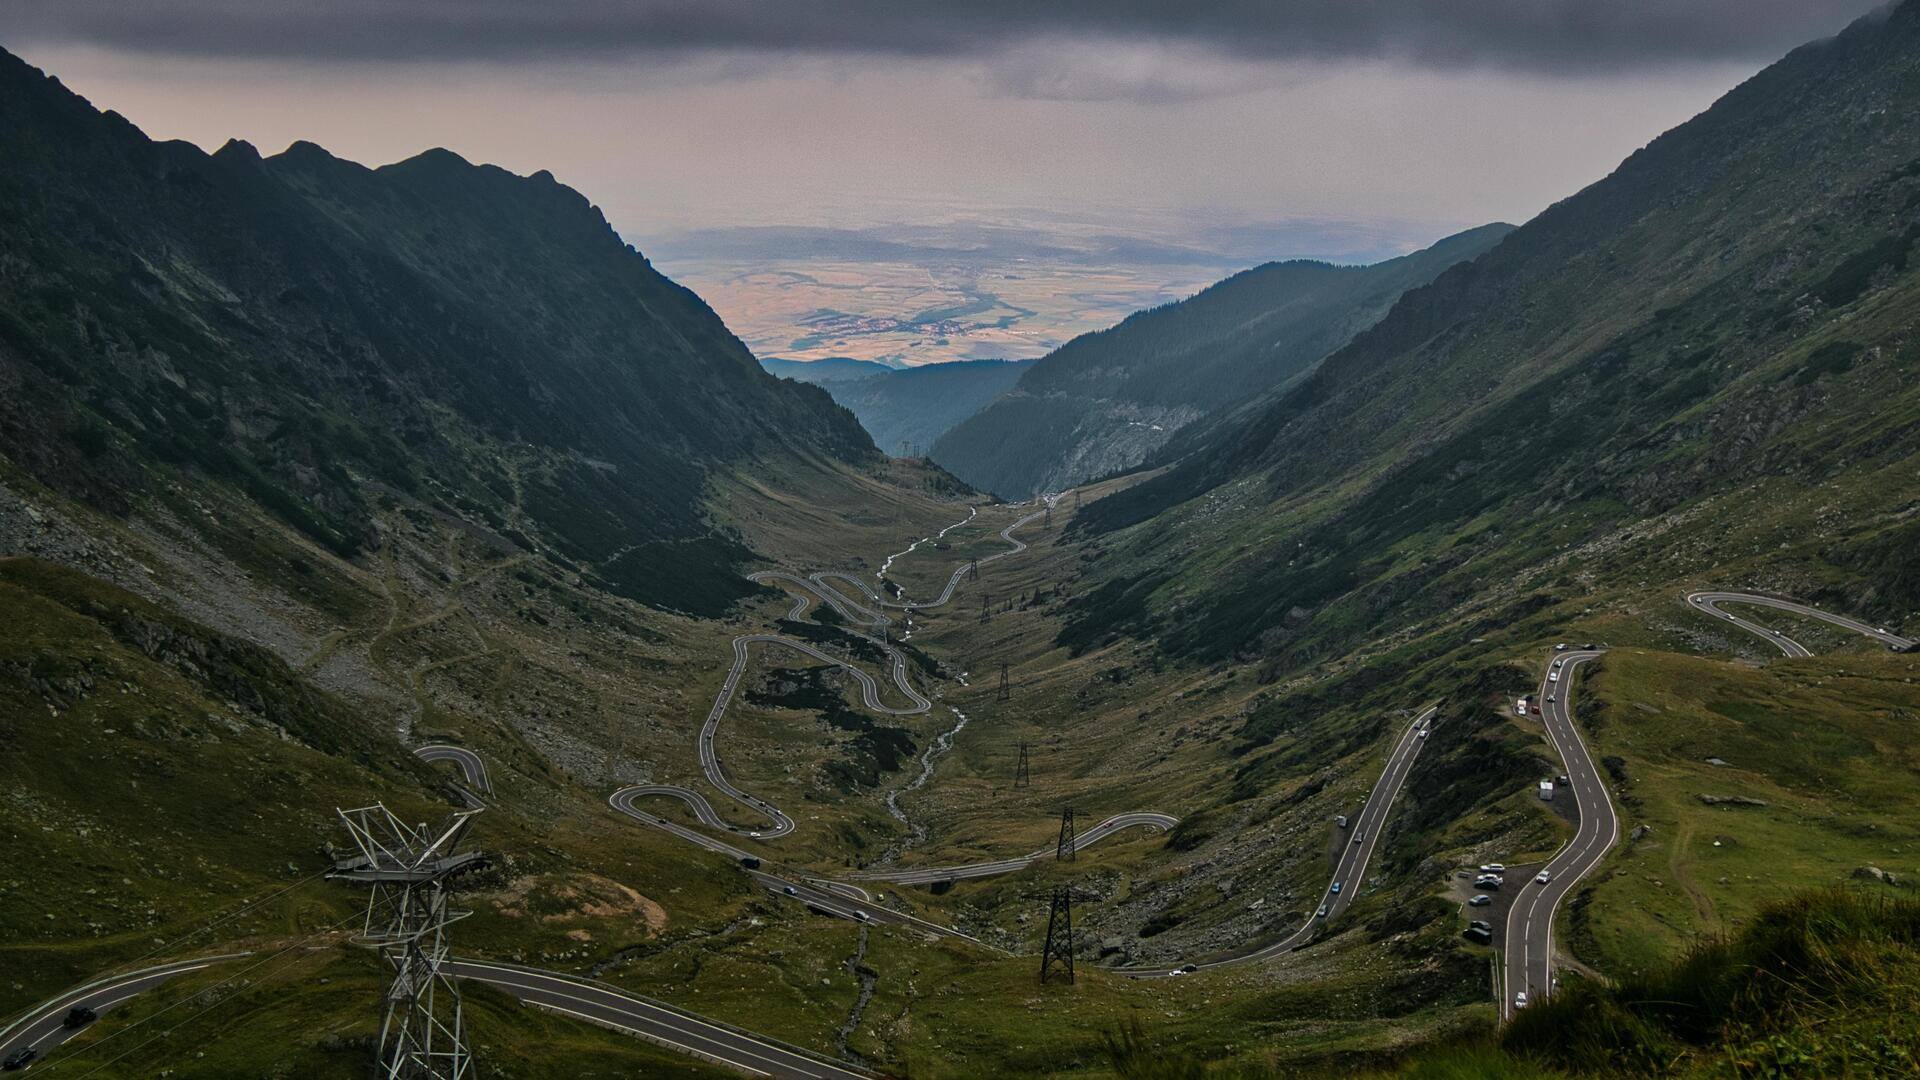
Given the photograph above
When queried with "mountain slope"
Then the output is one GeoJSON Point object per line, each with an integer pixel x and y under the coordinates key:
{"type": "Point", "coordinates": [313, 332]}
{"type": "Point", "coordinates": [833, 369]}
{"type": "Point", "coordinates": [1706, 356]}
{"type": "Point", "coordinates": [913, 407]}
{"type": "Point", "coordinates": [1103, 401]}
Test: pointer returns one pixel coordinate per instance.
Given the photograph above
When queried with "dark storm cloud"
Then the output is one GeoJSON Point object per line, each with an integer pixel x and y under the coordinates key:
{"type": "Point", "coordinates": [1531, 35]}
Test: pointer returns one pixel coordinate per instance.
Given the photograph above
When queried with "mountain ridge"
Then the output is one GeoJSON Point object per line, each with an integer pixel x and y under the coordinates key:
{"type": "Point", "coordinates": [1105, 401]}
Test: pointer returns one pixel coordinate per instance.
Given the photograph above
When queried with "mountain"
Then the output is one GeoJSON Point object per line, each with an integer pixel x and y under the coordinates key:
{"type": "Point", "coordinates": [914, 406]}
{"type": "Point", "coordinates": [1701, 367]}
{"type": "Point", "coordinates": [327, 337]}
{"type": "Point", "coordinates": [1102, 402]}
{"type": "Point", "coordinates": [822, 372]}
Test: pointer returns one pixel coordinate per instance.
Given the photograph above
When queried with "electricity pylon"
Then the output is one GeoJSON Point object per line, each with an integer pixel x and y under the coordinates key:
{"type": "Point", "coordinates": [1068, 843]}
{"type": "Point", "coordinates": [1021, 776]}
{"type": "Point", "coordinates": [1006, 688]}
{"type": "Point", "coordinates": [406, 868]}
{"type": "Point", "coordinates": [1056, 958]}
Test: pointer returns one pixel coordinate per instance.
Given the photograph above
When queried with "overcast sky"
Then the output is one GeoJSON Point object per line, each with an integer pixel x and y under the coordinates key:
{"type": "Point", "coordinates": [1419, 115]}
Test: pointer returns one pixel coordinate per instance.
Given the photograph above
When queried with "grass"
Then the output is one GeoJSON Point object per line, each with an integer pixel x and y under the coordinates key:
{"type": "Point", "coordinates": [1826, 743]}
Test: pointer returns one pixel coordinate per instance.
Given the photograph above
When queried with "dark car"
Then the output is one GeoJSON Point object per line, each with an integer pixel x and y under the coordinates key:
{"type": "Point", "coordinates": [19, 1059]}
{"type": "Point", "coordinates": [1188, 968]}
{"type": "Point", "coordinates": [78, 1017]}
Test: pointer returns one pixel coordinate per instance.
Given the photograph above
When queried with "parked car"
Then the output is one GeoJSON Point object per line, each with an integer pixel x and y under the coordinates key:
{"type": "Point", "coordinates": [1479, 900]}
{"type": "Point", "coordinates": [1481, 924]}
{"type": "Point", "coordinates": [1562, 647]}
{"type": "Point", "coordinates": [1493, 868]}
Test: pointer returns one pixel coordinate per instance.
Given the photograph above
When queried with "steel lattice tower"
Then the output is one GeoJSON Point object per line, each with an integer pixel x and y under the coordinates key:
{"type": "Point", "coordinates": [1068, 843]}
{"type": "Point", "coordinates": [1006, 689]}
{"type": "Point", "coordinates": [1057, 956]}
{"type": "Point", "coordinates": [1021, 777]}
{"type": "Point", "coordinates": [407, 867]}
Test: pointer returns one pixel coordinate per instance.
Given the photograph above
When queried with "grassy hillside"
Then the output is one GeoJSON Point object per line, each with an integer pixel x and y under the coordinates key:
{"type": "Point", "coordinates": [1102, 402]}
{"type": "Point", "coordinates": [1707, 355]}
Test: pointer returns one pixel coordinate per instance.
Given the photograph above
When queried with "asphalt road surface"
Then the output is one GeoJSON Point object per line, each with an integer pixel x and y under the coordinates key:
{"type": "Point", "coordinates": [1710, 602]}
{"type": "Point", "coordinates": [657, 1022]}
{"type": "Point", "coordinates": [1527, 961]}
{"type": "Point", "coordinates": [40, 1027]}
{"type": "Point", "coordinates": [474, 769]}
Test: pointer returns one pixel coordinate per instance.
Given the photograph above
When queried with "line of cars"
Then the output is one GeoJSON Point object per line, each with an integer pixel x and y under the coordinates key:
{"type": "Point", "coordinates": [77, 1017]}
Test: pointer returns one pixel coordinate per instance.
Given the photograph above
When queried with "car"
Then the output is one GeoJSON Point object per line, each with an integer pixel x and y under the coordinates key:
{"type": "Point", "coordinates": [1520, 1000]}
{"type": "Point", "coordinates": [1174, 972]}
{"type": "Point", "coordinates": [1322, 913]}
{"type": "Point", "coordinates": [1588, 645]}
{"type": "Point", "coordinates": [1489, 881]}
{"type": "Point", "coordinates": [1494, 867]}
{"type": "Point", "coordinates": [1481, 924]}
{"type": "Point", "coordinates": [1560, 647]}
{"type": "Point", "coordinates": [78, 1017]}
{"type": "Point", "coordinates": [1340, 820]}
{"type": "Point", "coordinates": [1543, 877]}
{"type": "Point", "coordinates": [790, 890]}
{"type": "Point", "coordinates": [1357, 837]}
{"type": "Point", "coordinates": [1423, 733]}
{"type": "Point", "coordinates": [1536, 710]}
{"type": "Point", "coordinates": [1882, 632]}
{"type": "Point", "coordinates": [861, 915]}
{"type": "Point", "coordinates": [1188, 969]}
{"type": "Point", "coordinates": [1336, 888]}
{"type": "Point", "coordinates": [1550, 697]}
{"type": "Point", "coordinates": [1479, 900]}
{"type": "Point", "coordinates": [20, 1059]}
{"type": "Point", "coordinates": [1553, 676]}
{"type": "Point", "coordinates": [755, 835]}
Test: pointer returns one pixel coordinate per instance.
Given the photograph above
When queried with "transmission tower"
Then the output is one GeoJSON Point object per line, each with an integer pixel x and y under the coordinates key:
{"type": "Point", "coordinates": [1006, 689]}
{"type": "Point", "coordinates": [1021, 776]}
{"type": "Point", "coordinates": [1057, 957]}
{"type": "Point", "coordinates": [1076, 500]}
{"type": "Point", "coordinates": [985, 599]}
{"type": "Point", "coordinates": [973, 569]}
{"type": "Point", "coordinates": [1068, 844]}
{"type": "Point", "coordinates": [1047, 518]}
{"type": "Point", "coordinates": [406, 868]}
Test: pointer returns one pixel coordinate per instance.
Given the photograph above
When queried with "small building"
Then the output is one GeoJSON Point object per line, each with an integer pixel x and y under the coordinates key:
{"type": "Point", "coordinates": [1546, 789]}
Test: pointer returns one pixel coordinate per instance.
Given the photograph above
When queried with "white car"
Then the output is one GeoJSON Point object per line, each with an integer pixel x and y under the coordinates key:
{"type": "Point", "coordinates": [1494, 867]}
{"type": "Point", "coordinates": [1543, 877]}
{"type": "Point", "coordinates": [1423, 733]}
{"type": "Point", "coordinates": [1520, 1000]}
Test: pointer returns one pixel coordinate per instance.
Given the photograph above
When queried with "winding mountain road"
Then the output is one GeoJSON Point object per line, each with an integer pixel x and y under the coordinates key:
{"type": "Point", "coordinates": [40, 1027]}
{"type": "Point", "coordinates": [1527, 964]}
{"type": "Point", "coordinates": [1710, 602]}
{"type": "Point", "coordinates": [1528, 955]}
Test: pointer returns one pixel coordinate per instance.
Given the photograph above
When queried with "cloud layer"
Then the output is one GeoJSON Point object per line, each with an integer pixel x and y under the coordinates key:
{"type": "Point", "coordinates": [1535, 36]}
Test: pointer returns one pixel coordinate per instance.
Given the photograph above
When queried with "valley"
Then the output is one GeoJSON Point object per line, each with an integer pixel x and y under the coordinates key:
{"type": "Point", "coordinates": [438, 646]}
